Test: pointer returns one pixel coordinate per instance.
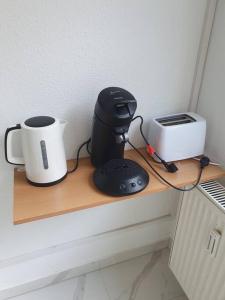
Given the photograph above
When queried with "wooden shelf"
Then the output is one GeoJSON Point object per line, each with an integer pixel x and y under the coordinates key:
{"type": "Point", "coordinates": [78, 192]}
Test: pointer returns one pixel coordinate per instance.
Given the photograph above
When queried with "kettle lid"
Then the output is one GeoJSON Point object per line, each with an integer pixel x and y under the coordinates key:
{"type": "Point", "coordinates": [40, 121]}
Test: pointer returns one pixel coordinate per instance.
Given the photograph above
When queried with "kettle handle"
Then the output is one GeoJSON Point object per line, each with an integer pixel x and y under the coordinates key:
{"type": "Point", "coordinates": [10, 158]}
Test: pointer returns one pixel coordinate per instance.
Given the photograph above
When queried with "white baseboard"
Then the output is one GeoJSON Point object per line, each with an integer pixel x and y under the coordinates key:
{"type": "Point", "coordinates": [37, 270]}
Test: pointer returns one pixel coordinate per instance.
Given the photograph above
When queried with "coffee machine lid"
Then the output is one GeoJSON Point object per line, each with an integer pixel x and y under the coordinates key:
{"type": "Point", "coordinates": [115, 106]}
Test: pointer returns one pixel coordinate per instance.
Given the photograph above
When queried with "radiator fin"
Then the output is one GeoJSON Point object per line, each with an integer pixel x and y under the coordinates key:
{"type": "Point", "coordinates": [200, 274]}
{"type": "Point", "coordinates": [215, 192]}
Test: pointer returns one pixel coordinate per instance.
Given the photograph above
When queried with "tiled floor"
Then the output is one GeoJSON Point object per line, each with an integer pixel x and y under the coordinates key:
{"type": "Point", "coordinates": [144, 278]}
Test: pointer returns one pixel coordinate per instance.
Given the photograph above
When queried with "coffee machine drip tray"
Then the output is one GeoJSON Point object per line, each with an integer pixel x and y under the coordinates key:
{"type": "Point", "coordinates": [120, 177]}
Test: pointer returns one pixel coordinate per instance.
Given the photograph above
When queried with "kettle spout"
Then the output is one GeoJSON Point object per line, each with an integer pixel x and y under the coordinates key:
{"type": "Point", "coordinates": [63, 124]}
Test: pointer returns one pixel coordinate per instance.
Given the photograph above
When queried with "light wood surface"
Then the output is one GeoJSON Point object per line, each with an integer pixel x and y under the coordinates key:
{"type": "Point", "coordinates": [78, 192]}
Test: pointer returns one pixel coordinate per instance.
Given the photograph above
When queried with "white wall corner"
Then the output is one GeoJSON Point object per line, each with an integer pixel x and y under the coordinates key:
{"type": "Point", "coordinates": [202, 53]}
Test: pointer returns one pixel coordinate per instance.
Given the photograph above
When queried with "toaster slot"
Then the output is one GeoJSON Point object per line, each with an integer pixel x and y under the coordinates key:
{"type": "Point", "coordinates": [176, 120]}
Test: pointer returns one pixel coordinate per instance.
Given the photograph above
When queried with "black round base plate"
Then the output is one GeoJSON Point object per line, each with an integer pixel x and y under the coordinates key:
{"type": "Point", "coordinates": [120, 177]}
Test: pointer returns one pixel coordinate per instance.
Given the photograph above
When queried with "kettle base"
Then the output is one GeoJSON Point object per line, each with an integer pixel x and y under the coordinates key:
{"type": "Point", "coordinates": [47, 183]}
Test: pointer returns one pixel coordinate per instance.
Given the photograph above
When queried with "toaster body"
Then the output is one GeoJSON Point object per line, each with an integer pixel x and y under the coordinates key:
{"type": "Point", "coordinates": [178, 136]}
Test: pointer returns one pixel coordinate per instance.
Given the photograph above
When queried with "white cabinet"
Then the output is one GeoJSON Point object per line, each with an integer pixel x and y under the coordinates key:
{"type": "Point", "coordinates": [198, 253]}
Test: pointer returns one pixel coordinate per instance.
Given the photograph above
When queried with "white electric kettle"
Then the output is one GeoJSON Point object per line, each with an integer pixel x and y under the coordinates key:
{"type": "Point", "coordinates": [42, 148]}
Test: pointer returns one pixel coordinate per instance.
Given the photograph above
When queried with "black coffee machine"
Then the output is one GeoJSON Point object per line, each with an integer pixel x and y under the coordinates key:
{"type": "Point", "coordinates": [114, 110]}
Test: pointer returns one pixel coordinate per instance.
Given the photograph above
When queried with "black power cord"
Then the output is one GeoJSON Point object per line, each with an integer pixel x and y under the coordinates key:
{"type": "Point", "coordinates": [87, 146]}
{"type": "Point", "coordinates": [78, 155]}
{"type": "Point", "coordinates": [204, 161]}
{"type": "Point", "coordinates": [141, 128]}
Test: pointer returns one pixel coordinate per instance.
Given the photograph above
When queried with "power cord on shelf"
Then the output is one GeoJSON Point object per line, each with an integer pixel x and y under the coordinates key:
{"type": "Point", "coordinates": [78, 155]}
{"type": "Point", "coordinates": [211, 162]}
{"type": "Point", "coordinates": [204, 161]}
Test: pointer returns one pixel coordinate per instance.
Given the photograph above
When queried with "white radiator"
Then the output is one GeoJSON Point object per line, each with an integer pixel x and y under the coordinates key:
{"type": "Point", "coordinates": [198, 253]}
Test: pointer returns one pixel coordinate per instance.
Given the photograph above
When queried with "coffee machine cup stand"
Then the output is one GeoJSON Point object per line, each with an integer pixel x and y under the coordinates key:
{"type": "Point", "coordinates": [120, 177]}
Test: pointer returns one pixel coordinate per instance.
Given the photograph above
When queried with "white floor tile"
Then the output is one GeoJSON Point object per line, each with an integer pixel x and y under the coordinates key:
{"type": "Point", "coordinates": [94, 288]}
{"type": "Point", "coordinates": [144, 278]}
{"type": "Point", "coordinates": [63, 290]}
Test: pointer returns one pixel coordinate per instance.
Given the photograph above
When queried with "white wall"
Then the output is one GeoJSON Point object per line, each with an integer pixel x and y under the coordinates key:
{"type": "Point", "coordinates": [55, 57]}
{"type": "Point", "coordinates": [212, 97]}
